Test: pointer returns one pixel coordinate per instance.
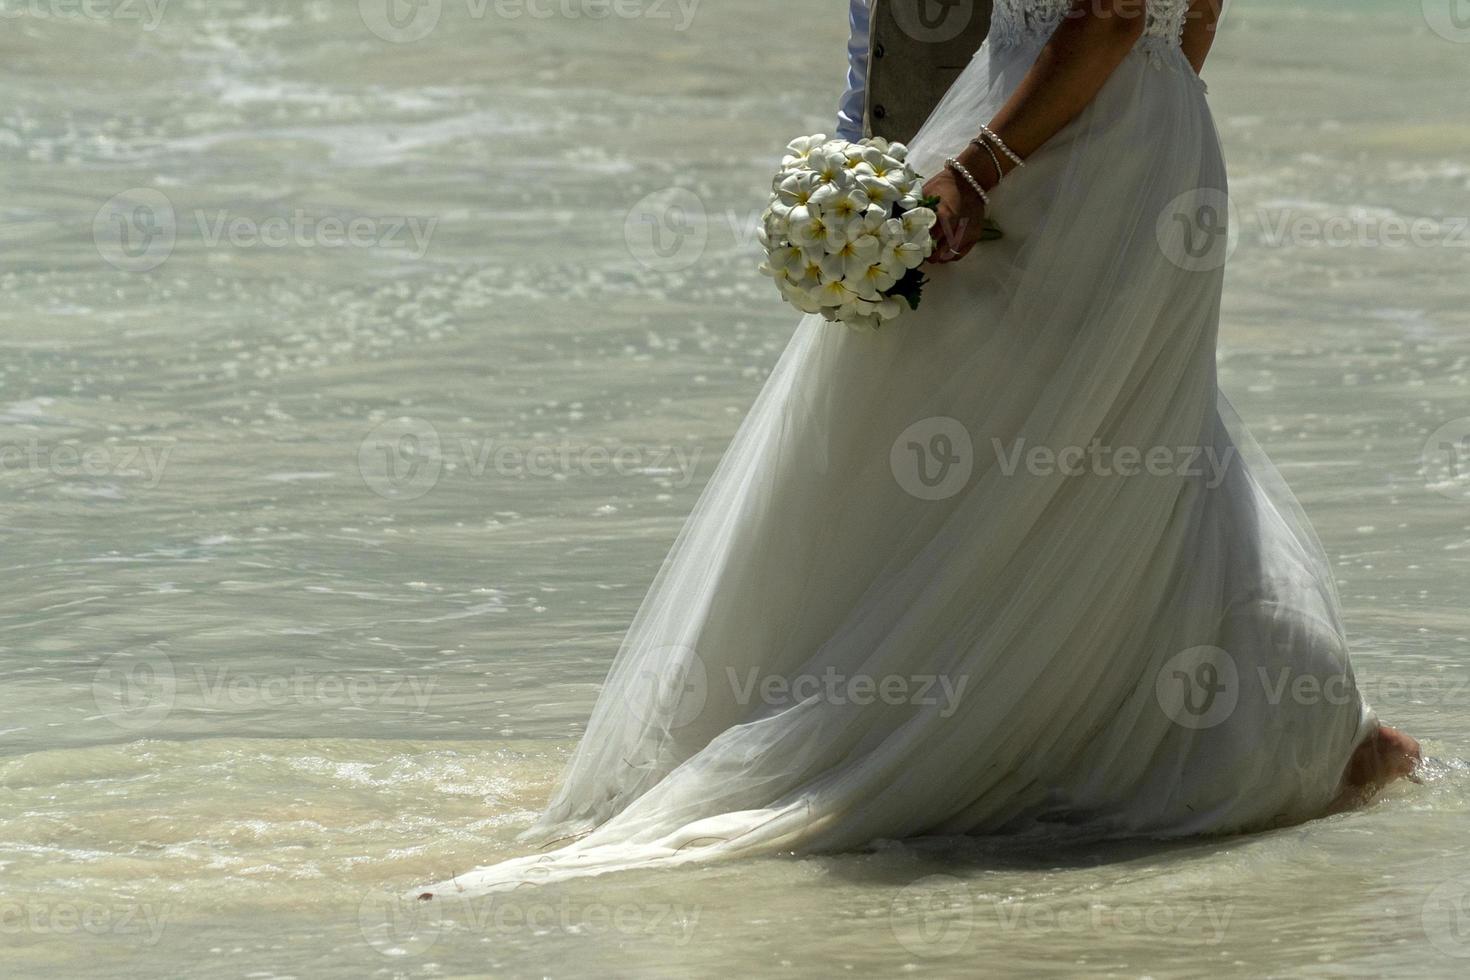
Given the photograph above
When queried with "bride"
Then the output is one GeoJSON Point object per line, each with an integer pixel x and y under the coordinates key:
{"type": "Point", "coordinates": [1010, 564]}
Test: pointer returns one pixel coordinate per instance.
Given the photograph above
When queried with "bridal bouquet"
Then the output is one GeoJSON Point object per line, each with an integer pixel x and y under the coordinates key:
{"type": "Point", "coordinates": [846, 230]}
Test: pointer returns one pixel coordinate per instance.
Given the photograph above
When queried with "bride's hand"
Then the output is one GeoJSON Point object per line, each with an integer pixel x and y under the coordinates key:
{"type": "Point", "coordinates": [961, 216]}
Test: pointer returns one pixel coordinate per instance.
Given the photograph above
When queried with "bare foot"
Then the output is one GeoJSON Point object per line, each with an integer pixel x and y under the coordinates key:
{"type": "Point", "coordinates": [1379, 759]}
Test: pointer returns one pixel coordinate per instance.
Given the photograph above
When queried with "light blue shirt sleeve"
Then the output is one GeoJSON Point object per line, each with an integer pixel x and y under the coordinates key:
{"type": "Point", "coordinates": [850, 109]}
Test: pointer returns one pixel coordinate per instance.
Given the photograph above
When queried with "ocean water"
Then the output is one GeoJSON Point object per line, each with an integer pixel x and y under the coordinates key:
{"type": "Point", "coordinates": [360, 363]}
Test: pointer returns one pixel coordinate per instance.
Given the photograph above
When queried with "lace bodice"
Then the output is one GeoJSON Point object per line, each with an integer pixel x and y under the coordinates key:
{"type": "Point", "coordinates": [1016, 20]}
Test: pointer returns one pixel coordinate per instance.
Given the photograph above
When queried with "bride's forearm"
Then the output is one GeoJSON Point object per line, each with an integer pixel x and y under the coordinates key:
{"type": "Point", "coordinates": [1079, 57]}
{"type": "Point", "coordinates": [1199, 30]}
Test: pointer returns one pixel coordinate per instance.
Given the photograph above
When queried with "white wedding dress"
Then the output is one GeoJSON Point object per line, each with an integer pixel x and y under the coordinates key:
{"type": "Point", "coordinates": [1150, 654]}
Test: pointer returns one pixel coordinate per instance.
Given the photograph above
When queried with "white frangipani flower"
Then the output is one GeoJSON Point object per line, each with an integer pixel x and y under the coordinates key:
{"type": "Point", "coordinates": [910, 255]}
{"type": "Point", "coordinates": [858, 254]}
{"type": "Point", "coordinates": [833, 292]}
{"type": "Point", "coordinates": [786, 262]}
{"type": "Point", "coordinates": [872, 280]}
{"type": "Point", "coordinates": [806, 228]}
{"type": "Point", "coordinates": [830, 165]}
{"type": "Point", "coordinates": [839, 205]}
{"type": "Point", "coordinates": [917, 222]}
{"type": "Point", "coordinates": [890, 261]}
{"type": "Point", "coordinates": [797, 188]}
{"type": "Point", "coordinates": [869, 222]}
{"type": "Point", "coordinates": [798, 150]}
{"type": "Point", "coordinates": [878, 189]}
{"type": "Point", "coordinates": [889, 308]}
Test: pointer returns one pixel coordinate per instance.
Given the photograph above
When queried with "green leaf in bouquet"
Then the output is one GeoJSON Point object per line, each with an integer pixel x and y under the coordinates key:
{"type": "Point", "coordinates": [909, 288]}
{"type": "Point", "coordinates": [991, 231]}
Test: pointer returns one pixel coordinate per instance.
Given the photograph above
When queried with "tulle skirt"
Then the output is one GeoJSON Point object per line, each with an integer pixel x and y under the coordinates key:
{"type": "Point", "coordinates": [1008, 565]}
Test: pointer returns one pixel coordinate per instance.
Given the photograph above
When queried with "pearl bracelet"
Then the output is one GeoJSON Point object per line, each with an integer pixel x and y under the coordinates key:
{"type": "Point", "coordinates": [995, 160]}
{"type": "Point", "coordinates": [990, 136]}
{"type": "Point", "coordinates": [959, 168]}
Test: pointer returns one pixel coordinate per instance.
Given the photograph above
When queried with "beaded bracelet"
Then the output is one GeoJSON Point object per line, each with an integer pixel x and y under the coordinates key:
{"type": "Point", "coordinates": [995, 160]}
{"type": "Point", "coordinates": [989, 135]}
{"type": "Point", "coordinates": [958, 168]}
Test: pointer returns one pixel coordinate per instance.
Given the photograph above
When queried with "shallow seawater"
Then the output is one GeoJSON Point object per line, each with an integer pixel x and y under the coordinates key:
{"type": "Point", "coordinates": [353, 389]}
